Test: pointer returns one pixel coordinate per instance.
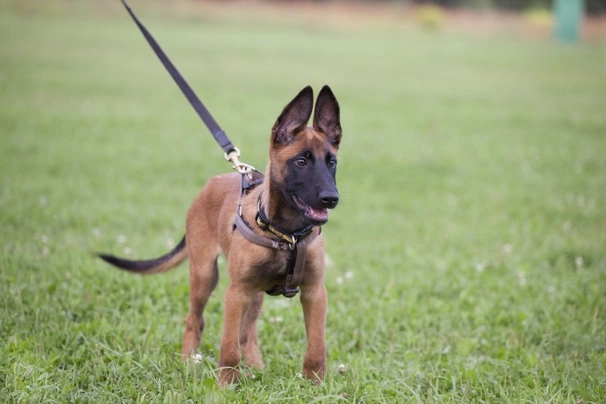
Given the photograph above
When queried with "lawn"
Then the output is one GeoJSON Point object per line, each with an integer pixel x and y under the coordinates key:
{"type": "Point", "coordinates": [467, 258]}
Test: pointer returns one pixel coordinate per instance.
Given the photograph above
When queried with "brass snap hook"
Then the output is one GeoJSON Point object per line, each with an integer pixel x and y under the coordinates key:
{"type": "Point", "coordinates": [234, 158]}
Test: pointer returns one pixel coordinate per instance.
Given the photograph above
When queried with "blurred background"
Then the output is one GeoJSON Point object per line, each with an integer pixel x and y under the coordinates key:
{"type": "Point", "coordinates": [466, 259]}
{"type": "Point", "coordinates": [568, 20]}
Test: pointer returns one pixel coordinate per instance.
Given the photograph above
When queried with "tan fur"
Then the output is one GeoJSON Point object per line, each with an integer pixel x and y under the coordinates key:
{"type": "Point", "coordinates": [255, 269]}
{"type": "Point", "coordinates": [210, 232]}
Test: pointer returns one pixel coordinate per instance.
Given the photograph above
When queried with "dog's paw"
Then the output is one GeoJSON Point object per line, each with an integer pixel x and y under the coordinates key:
{"type": "Point", "coordinates": [228, 378]}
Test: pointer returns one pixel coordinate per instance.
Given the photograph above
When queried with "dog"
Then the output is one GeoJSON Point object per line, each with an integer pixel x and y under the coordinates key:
{"type": "Point", "coordinates": [258, 223]}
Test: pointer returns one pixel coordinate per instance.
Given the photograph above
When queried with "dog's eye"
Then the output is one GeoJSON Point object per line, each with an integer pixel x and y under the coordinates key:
{"type": "Point", "coordinates": [301, 162]}
{"type": "Point", "coordinates": [332, 162]}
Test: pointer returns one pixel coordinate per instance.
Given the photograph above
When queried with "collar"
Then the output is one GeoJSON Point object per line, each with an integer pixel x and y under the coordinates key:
{"type": "Point", "coordinates": [265, 225]}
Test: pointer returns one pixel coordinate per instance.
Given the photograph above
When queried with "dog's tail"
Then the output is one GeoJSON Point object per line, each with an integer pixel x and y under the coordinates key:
{"type": "Point", "coordinates": [160, 264]}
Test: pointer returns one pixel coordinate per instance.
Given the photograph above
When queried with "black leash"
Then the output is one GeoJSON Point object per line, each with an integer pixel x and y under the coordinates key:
{"type": "Point", "coordinates": [231, 152]}
{"type": "Point", "coordinates": [297, 243]}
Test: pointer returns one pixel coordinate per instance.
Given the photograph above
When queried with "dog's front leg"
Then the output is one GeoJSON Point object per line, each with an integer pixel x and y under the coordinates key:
{"type": "Point", "coordinates": [248, 333]}
{"type": "Point", "coordinates": [314, 300]}
{"type": "Point", "coordinates": [237, 302]}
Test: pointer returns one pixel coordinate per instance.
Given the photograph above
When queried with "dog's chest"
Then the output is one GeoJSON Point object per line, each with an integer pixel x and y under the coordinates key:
{"type": "Point", "coordinates": [274, 265]}
{"type": "Point", "coordinates": [271, 268]}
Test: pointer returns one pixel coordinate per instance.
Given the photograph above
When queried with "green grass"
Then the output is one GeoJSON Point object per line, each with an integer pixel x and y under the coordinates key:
{"type": "Point", "coordinates": [468, 253]}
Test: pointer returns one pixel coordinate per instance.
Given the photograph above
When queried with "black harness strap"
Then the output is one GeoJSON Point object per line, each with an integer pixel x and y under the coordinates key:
{"type": "Point", "coordinates": [187, 91]}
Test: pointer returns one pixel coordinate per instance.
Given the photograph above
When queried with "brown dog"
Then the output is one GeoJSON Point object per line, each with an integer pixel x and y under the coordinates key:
{"type": "Point", "coordinates": [270, 235]}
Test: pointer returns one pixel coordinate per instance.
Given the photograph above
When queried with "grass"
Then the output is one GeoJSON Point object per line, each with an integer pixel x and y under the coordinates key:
{"type": "Point", "coordinates": [468, 255]}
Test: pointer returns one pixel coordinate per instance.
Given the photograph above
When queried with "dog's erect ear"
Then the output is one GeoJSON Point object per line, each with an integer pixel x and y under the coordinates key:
{"type": "Point", "coordinates": [326, 117]}
{"type": "Point", "coordinates": [293, 118]}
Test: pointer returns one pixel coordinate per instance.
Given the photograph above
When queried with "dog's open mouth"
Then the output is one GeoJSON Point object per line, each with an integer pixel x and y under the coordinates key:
{"type": "Point", "coordinates": [315, 215]}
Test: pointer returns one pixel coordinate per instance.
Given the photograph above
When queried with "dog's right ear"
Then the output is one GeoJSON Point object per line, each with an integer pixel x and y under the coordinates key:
{"type": "Point", "coordinates": [293, 118]}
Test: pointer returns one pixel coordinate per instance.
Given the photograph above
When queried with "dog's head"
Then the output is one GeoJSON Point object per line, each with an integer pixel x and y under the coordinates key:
{"type": "Point", "coordinates": [303, 162]}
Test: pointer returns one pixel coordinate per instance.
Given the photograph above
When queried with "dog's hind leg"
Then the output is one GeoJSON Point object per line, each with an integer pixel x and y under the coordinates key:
{"type": "Point", "coordinates": [204, 277]}
{"type": "Point", "coordinates": [248, 333]}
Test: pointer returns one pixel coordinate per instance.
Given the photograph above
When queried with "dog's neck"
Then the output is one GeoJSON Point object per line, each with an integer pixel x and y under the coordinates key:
{"type": "Point", "coordinates": [280, 212]}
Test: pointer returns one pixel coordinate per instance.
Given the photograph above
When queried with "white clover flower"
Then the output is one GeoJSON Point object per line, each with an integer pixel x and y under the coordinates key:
{"type": "Point", "coordinates": [328, 261]}
{"type": "Point", "coordinates": [581, 201]}
{"type": "Point", "coordinates": [522, 278]}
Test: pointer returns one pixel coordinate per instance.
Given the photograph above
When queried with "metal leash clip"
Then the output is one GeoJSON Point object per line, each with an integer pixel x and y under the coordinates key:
{"type": "Point", "coordinates": [234, 158]}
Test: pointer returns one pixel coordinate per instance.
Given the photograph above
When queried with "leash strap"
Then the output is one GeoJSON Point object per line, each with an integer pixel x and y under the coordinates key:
{"type": "Point", "coordinates": [187, 91]}
{"type": "Point", "coordinates": [297, 249]}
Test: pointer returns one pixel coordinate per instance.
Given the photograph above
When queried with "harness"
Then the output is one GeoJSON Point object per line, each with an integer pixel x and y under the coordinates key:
{"type": "Point", "coordinates": [295, 243]}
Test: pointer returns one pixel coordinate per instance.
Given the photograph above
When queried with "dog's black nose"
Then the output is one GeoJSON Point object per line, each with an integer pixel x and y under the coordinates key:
{"type": "Point", "coordinates": [329, 199]}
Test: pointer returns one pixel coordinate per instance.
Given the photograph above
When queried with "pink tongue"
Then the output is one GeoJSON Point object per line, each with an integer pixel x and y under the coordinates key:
{"type": "Point", "coordinates": [317, 214]}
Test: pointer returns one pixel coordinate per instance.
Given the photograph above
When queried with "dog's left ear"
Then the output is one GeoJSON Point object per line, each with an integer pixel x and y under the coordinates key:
{"type": "Point", "coordinates": [326, 116]}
